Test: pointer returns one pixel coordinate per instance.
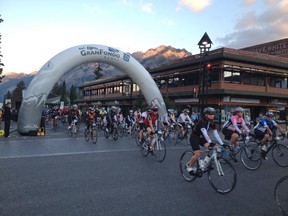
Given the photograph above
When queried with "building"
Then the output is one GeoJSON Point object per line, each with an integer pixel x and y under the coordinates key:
{"type": "Point", "coordinates": [254, 78]}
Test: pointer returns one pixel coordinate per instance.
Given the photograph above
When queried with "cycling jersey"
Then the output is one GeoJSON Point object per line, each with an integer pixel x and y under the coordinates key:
{"type": "Point", "coordinates": [201, 130]}
{"type": "Point", "coordinates": [151, 117]}
{"type": "Point", "coordinates": [264, 123]}
{"type": "Point", "coordinates": [236, 123]}
{"type": "Point", "coordinates": [184, 119]}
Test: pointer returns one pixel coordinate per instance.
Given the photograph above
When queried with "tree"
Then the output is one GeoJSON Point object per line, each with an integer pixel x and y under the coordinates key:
{"type": "Point", "coordinates": [56, 89]}
{"type": "Point", "coordinates": [17, 93]}
{"type": "Point", "coordinates": [1, 64]}
{"type": "Point", "coordinates": [97, 72]}
{"type": "Point", "coordinates": [63, 93]}
{"type": "Point", "coordinates": [72, 94]}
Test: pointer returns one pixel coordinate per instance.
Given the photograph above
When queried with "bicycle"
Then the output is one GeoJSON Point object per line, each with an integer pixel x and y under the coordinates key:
{"type": "Point", "coordinates": [186, 134]}
{"type": "Point", "coordinates": [73, 128]}
{"type": "Point", "coordinates": [91, 133]}
{"type": "Point", "coordinates": [156, 147]}
{"type": "Point", "coordinates": [55, 123]}
{"type": "Point", "coordinates": [111, 130]}
{"type": "Point", "coordinates": [279, 153]}
{"type": "Point", "coordinates": [281, 195]}
{"type": "Point", "coordinates": [171, 134]}
{"type": "Point", "coordinates": [249, 152]}
{"type": "Point", "coordinates": [221, 174]}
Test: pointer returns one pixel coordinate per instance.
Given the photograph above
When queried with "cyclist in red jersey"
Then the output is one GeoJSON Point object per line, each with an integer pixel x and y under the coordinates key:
{"type": "Point", "coordinates": [150, 122]}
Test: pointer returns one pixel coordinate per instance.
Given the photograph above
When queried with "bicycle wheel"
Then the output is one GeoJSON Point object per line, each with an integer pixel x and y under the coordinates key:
{"type": "Point", "coordinates": [280, 155]}
{"type": "Point", "coordinates": [222, 176]}
{"type": "Point", "coordinates": [251, 156]}
{"type": "Point", "coordinates": [120, 130]}
{"type": "Point", "coordinates": [160, 150]}
{"type": "Point", "coordinates": [94, 135]}
{"type": "Point", "coordinates": [115, 134]}
{"type": "Point", "coordinates": [87, 134]}
{"type": "Point", "coordinates": [106, 132]}
{"type": "Point", "coordinates": [185, 157]}
{"type": "Point", "coordinates": [173, 137]}
{"type": "Point", "coordinates": [144, 149]}
{"type": "Point", "coordinates": [281, 195]}
{"type": "Point", "coordinates": [74, 131]}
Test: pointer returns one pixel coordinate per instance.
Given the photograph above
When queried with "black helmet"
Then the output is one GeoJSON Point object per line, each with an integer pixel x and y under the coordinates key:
{"type": "Point", "coordinates": [270, 114]}
{"type": "Point", "coordinates": [209, 110]}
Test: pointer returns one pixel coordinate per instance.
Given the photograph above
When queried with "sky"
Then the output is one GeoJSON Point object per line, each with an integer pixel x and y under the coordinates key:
{"type": "Point", "coordinates": [34, 31]}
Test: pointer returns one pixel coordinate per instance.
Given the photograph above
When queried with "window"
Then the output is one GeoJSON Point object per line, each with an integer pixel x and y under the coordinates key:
{"type": "Point", "coordinates": [278, 82]}
{"type": "Point", "coordinates": [231, 77]}
{"type": "Point", "coordinates": [253, 79]}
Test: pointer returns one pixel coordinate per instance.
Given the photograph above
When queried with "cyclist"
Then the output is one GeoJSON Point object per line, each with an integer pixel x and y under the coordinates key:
{"type": "Point", "coordinates": [199, 136]}
{"type": "Point", "coordinates": [54, 114]}
{"type": "Point", "coordinates": [267, 126]}
{"type": "Point", "coordinates": [74, 114]}
{"type": "Point", "coordinates": [130, 120]}
{"type": "Point", "coordinates": [91, 117]}
{"type": "Point", "coordinates": [183, 120]}
{"type": "Point", "coordinates": [111, 118]}
{"type": "Point", "coordinates": [168, 119]}
{"type": "Point", "coordinates": [140, 121]}
{"type": "Point", "coordinates": [150, 123]}
{"type": "Point", "coordinates": [232, 128]}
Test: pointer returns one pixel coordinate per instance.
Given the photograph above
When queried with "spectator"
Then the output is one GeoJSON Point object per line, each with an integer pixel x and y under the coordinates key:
{"type": "Point", "coordinates": [7, 119]}
{"type": "Point", "coordinates": [194, 117]}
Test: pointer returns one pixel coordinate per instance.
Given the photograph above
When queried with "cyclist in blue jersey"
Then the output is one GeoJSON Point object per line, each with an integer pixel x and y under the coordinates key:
{"type": "Point", "coordinates": [267, 126]}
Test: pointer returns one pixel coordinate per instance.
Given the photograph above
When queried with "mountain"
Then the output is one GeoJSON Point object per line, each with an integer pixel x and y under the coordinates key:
{"type": "Point", "coordinates": [85, 72]}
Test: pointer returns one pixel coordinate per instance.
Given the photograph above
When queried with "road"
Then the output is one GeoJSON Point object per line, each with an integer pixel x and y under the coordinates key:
{"type": "Point", "coordinates": [59, 175]}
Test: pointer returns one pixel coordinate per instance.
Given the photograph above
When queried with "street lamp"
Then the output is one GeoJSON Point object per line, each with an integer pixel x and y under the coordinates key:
{"type": "Point", "coordinates": [204, 46]}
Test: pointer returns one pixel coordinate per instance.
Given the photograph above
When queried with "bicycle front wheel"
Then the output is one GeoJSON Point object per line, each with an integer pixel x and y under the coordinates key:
{"type": "Point", "coordinates": [160, 150]}
{"type": "Point", "coordinates": [280, 155]}
{"type": "Point", "coordinates": [281, 195]}
{"type": "Point", "coordinates": [115, 135]}
{"type": "Point", "coordinates": [74, 131]}
{"type": "Point", "coordinates": [173, 137]}
{"type": "Point", "coordinates": [222, 176]}
{"type": "Point", "coordinates": [94, 135]}
{"type": "Point", "coordinates": [144, 149]}
{"type": "Point", "coordinates": [87, 135]}
{"type": "Point", "coordinates": [251, 156]}
{"type": "Point", "coordinates": [184, 159]}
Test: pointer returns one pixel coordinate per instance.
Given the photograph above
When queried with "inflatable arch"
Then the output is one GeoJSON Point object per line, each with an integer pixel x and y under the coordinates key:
{"type": "Point", "coordinates": [39, 88]}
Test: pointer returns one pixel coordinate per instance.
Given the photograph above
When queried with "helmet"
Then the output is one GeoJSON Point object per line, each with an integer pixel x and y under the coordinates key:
{"type": "Point", "coordinates": [130, 111]}
{"type": "Point", "coordinates": [209, 110]}
{"type": "Point", "coordinates": [75, 106]}
{"type": "Point", "coordinates": [155, 108]}
{"type": "Point", "coordinates": [270, 114]}
{"type": "Point", "coordinates": [186, 110]}
{"type": "Point", "coordinates": [90, 108]}
{"type": "Point", "coordinates": [113, 108]}
{"type": "Point", "coordinates": [148, 108]}
{"type": "Point", "coordinates": [170, 110]}
{"type": "Point", "coordinates": [238, 109]}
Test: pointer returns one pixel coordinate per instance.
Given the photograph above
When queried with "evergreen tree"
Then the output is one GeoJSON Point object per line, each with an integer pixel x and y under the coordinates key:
{"type": "Point", "coordinates": [63, 93]}
{"type": "Point", "coordinates": [72, 94]}
{"type": "Point", "coordinates": [97, 72]}
{"type": "Point", "coordinates": [17, 93]}
{"type": "Point", "coordinates": [57, 89]}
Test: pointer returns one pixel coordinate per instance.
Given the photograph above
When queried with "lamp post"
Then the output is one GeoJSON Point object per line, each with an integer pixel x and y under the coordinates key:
{"type": "Point", "coordinates": [204, 46]}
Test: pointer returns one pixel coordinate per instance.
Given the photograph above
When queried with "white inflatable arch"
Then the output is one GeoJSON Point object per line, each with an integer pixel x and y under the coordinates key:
{"type": "Point", "coordinates": [41, 85]}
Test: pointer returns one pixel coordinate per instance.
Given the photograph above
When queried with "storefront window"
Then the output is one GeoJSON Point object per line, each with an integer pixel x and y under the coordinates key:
{"type": "Point", "coordinates": [231, 77]}
{"type": "Point", "coordinates": [277, 82]}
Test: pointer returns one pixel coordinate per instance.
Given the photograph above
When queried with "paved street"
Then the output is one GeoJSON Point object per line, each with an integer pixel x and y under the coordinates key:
{"type": "Point", "coordinates": [59, 175]}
